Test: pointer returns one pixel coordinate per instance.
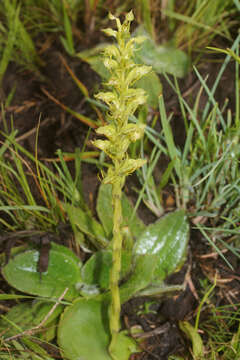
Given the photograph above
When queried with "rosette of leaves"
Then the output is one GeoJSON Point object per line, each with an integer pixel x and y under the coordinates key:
{"type": "Point", "coordinates": [122, 100]}
{"type": "Point", "coordinates": [150, 254]}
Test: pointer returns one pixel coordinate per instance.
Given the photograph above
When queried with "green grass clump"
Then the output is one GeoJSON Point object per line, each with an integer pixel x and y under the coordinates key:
{"type": "Point", "coordinates": [195, 24]}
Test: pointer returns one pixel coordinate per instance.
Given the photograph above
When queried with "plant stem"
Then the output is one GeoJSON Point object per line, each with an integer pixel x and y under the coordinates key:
{"type": "Point", "coordinates": [115, 306]}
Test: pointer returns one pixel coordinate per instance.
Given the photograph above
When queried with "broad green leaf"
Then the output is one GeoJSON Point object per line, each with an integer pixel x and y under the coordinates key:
{"type": "Point", "coordinates": [158, 252]}
{"type": "Point", "coordinates": [97, 269]}
{"type": "Point", "coordinates": [165, 242]}
{"type": "Point", "coordinates": [87, 224]}
{"type": "Point", "coordinates": [27, 315]}
{"type": "Point", "coordinates": [63, 272]}
{"type": "Point", "coordinates": [105, 212]}
{"type": "Point", "coordinates": [162, 58]}
{"type": "Point", "coordinates": [83, 333]}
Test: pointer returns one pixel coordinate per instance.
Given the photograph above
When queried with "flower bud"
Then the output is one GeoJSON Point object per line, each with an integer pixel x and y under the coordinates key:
{"type": "Point", "coordinates": [110, 64]}
{"type": "Point", "coordinates": [131, 165]}
{"type": "Point", "coordinates": [108, 130]}
{"type": "Point", "coordinates": [130, 16]}
{"type": "Point", "coordinates": [110, 32]}
{"type": "Point", "coordinates": [134, 131]}
{"type": "Point", "coordinates": [102, 144]}
{"type": "Point", "coordinates": [112, 51]}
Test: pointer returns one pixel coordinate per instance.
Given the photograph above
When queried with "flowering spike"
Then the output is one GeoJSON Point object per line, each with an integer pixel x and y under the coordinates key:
{"type": "Point", "coordinates": [122, 100]}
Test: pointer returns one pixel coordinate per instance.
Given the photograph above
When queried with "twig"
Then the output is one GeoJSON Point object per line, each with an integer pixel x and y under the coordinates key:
{"type": "Point", "coordinates": [159, 330]}
{"type": "Point", "coordinates": [32, 131]}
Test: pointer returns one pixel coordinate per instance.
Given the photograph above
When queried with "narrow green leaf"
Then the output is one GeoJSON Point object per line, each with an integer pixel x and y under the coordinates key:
{"type": "Point", "coordinates": [145, 6]}
{"type": "Point", "coordinates": [68, 42]}
{"type": "Point", "coordinates": [14, 296]}
{"type": "Point", "coordinates": [27, 315]}
{"type": "Point", "coordinates": [8, 49]}
{"type": "Point", "coordinates": [87, 224]}
{"type": "Point", "coordinates": [38, 352]}
{"type": "Point", "coordinates": [169, 137]}
{"type": "Point", "coordinates": [193, 335]}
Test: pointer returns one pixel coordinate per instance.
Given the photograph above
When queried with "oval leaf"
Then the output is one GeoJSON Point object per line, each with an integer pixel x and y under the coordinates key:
{"type": "Point", "coordinates": [83, 333]}
{"type": "Point", "coordinates": [165, 242]}
{"type": "Point", "coordinates": [63, 272]}
{"type": "Point", "coordinates": [162, 58]}
{"type": "Point", "coordinates": [158, 252]}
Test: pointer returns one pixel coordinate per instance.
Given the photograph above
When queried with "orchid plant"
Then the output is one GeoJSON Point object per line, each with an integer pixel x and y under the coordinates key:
{"type": "Point", "coordinates": [123, 100]}
{"type": "Point", "coordinates": [89, 295]}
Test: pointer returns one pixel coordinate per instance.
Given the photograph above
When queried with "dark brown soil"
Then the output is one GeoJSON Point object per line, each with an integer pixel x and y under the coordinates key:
{"type": "Point", "coordinates": [58, 129]}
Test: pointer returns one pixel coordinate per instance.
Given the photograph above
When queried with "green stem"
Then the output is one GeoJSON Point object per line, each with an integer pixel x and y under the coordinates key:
{"type": "Point", "coordinates": [115, 306]}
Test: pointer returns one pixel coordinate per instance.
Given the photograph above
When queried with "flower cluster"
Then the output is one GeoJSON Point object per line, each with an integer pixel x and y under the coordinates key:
{"type": "Point", "coordinates": [123, 100]}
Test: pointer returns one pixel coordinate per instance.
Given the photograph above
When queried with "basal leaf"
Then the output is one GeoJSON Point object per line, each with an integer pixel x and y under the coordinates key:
{"type": "Point", "coordinates": [63, 272]}
{"type": "Point", "coordinates": [158, 252]}
{"type": "Point", "coordinates": [83, 333]}
{"type": "Point", "coordinates": [165, 242]}
{"type": "Point", "coordinates": [162, 58]}
{"type": "Point", "coordinates": [104, 207]}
